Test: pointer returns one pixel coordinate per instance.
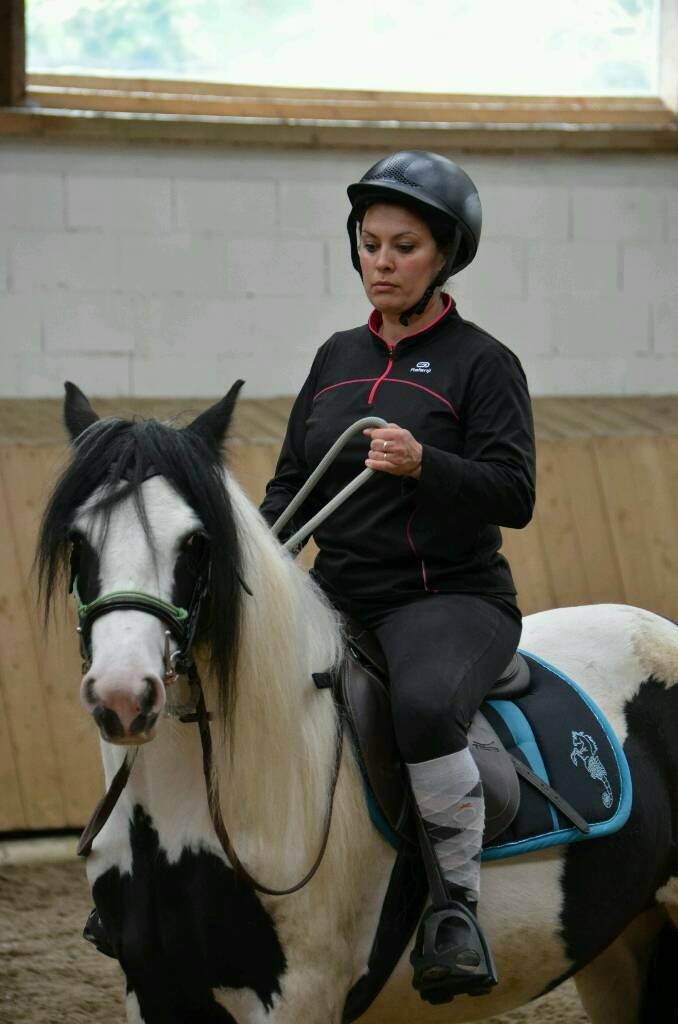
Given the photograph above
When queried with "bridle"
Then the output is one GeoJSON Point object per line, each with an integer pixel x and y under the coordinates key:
{"type": "Point", "coordinates": [182, 626]}
{"type": "Point", "coordinates": [181, 623]}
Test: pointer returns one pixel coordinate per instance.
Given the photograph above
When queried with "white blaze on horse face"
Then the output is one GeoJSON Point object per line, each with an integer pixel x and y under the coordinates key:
{"type": "Point", "coordinates": [124, 688]}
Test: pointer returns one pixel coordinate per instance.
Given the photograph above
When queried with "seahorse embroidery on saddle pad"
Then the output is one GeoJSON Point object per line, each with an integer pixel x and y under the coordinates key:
{"type": "Point", "coordinates": [558, 731]}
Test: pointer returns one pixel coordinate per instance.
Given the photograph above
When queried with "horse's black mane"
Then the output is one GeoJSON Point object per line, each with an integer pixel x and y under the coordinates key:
{"type": "Point", "coordinates": [116, 455]}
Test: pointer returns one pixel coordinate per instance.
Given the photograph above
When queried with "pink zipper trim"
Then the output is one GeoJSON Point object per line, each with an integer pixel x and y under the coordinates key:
{"type": "Point", "coordinates": [379, 380]}
{"type": "Point", "coordinates": [391, 380]}
{"type": "Point", "coordinates": [375, 321]}
{"type": "Point", "coordinates": [358, 380]}
{"type": "Point", "coordinates": [412, 384]}
{"type": "Point", "coordinates": [413, 549]}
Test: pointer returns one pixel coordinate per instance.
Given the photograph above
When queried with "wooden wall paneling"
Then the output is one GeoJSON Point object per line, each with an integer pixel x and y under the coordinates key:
{"type": "Point", "coordinates": [523, 549]}
{"type": "Point", "coordinates": [33, 470]}
{"type": "Point", "coordinates": [559, 535]}
{"type": "Point", "coordinates": [598, 564]}
{"type": "Point", "coordinates": [12, 812]}
{"type": "Point", "coordinates": [629, 510]}
{"type": "Point", "coordinates": [656, 414]}
{"type": "Point", "coordinates": [655, 473]}
{"type": "Point", "coordinates": [563, 418]}
{"type": "Point", "coordinates": [75, 736]}
{"type": "Point", "coordinates": [253, 466]}
{"type": "Point", "coordinates": [12, 52]}
{"type": "Point", "coordinates": [668, 448]}
{"type": "Point", "coordinates": [24, 695]}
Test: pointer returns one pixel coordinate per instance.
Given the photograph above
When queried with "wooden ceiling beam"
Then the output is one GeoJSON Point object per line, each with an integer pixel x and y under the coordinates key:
{"type": "Point", "coordinates": [12, 52]}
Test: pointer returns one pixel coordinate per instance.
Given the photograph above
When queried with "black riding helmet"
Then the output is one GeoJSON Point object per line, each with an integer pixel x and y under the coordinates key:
{"type": "Point", "coordinates": [432, 186]}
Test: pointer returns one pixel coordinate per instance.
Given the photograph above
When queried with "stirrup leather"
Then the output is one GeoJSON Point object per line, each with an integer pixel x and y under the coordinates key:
{"type": "Point", "coordinates": [454, 964]}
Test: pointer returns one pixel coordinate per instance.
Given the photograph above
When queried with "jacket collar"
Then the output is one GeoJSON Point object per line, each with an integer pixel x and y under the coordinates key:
{"type": "Point", "coordinates": [405, 344]}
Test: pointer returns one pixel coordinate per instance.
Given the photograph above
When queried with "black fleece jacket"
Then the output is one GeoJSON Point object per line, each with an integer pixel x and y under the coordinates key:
{"type": "Point", "coordinates": [463, 395]}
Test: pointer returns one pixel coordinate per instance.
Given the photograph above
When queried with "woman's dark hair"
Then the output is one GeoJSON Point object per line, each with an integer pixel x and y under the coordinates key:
{"type": "Point", "coordinates": [438, 224]}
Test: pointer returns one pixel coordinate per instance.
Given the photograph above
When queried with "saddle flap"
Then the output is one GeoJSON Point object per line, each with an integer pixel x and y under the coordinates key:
{"type": "Point", "coordinates": [368, 705]}
{"type": "Point", "coordinates": [501, 787]}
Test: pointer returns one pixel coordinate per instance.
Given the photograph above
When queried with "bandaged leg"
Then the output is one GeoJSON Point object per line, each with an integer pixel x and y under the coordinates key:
{"type": "Point", "coordinates": [449, 796]}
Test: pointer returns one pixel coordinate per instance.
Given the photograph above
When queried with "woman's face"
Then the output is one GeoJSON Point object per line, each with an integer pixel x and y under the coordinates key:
{"type": "Point", "coordinates": [398, 257]}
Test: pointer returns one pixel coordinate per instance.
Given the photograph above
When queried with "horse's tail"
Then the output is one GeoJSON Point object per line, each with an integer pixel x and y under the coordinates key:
{"type": "Point", "coordinates": [659, 1002]}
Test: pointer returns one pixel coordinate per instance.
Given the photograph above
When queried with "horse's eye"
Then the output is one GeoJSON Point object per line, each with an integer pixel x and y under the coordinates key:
{"type": "Point", "coordinates": [74, 557]}
{"type": "Point", "coordinates": [195, 545]}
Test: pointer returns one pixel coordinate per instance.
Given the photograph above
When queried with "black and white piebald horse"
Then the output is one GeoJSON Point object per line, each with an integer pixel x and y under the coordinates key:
{"type": "Point", "coordinates": [146, 509]}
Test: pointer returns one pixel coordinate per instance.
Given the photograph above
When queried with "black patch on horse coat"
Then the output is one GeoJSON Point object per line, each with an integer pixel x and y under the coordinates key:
{"type": "Point", "coordinates": [659, 1003]}
{"type": "Point", "coordinates": [180, 930]}
{"type": "Point", "coordinates": [609, 881]}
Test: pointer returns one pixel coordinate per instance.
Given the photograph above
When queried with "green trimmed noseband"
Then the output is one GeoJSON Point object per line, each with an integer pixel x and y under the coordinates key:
{"type": "Point", "coordinates": [179, 622]}
{"type": "Point", "coordinates": [128, 599]}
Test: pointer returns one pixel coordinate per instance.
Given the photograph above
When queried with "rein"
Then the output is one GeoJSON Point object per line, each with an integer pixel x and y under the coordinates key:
{"type": "Point", "coordinates": [182, 625]}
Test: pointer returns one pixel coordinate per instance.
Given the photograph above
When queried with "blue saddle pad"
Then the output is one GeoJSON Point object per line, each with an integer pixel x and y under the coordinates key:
{"type": "Point", "coordinates": [558, 731]}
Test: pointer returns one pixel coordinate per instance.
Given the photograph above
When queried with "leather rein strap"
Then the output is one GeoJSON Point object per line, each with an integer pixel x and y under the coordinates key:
{"type": "Point", "coordinates": [202, 717]}
{"type": "Point", "coordinates": [104, 809]}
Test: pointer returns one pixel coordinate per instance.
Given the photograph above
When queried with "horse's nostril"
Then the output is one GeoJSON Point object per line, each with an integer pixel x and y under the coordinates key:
{"type": "Point", "coordinates": [149, 697]}
{"type": "Point", "coordinates": [108, 721]}
{"type": "Point", "coordinates": [88, 685]}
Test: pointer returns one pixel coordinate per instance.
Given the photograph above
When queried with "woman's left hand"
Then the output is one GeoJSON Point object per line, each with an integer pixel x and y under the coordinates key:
{"type": "Point", "coordinates": [393, 450]}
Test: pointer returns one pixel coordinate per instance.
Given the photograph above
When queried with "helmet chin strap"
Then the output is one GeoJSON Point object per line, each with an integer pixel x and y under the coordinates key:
{"type": "Point", "coordinates": [437, 281]}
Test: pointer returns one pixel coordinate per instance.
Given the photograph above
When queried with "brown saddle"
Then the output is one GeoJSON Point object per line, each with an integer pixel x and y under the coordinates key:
{"type": "Point", "coordinates": [364, 694]}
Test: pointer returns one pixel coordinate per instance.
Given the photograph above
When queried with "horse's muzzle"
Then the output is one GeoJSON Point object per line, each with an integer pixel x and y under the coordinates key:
{"type": "Point", "coordinates": [125, 715]}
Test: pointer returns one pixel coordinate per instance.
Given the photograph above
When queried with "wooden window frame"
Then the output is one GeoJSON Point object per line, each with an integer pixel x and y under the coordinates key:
{"type": "Point", "coordinates": [119, 109]}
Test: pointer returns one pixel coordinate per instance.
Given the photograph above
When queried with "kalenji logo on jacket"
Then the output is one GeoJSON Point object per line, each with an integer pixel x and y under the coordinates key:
{"type": "Point", "coordinates": [422, 367]}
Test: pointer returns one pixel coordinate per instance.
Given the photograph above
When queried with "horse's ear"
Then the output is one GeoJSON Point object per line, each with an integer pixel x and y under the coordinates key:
{"type": "Point", "coordinates": [212, 424]}
{"type": "Point", "coordinates": [78, 413]}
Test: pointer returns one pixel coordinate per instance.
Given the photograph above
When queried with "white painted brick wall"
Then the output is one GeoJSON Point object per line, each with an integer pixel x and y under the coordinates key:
{"type": "Point", "coordinates": [617, 214]}
{"type": "Point", "coordinates": [32, 201]}
{"type": "Point", "coordinates": [129, 204]}
{"type": "Point", "coordinates": [239, 209]}
{"type": "Point", "coordinates": [90, 322]}
{"type": "Point", "coordinates": [666, 325]}
{"type": "Point", "coordinates": [171, 271]}
{"type": "Point", "coordinates": [76, 260]}
{"type": "Point", "coordinates": [21, 324]}
{"type": "Point", "coordinates": [671, 200]}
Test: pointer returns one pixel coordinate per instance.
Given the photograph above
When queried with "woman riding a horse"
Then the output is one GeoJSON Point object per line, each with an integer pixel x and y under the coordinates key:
{"type": "Point", "coordinates": [415, 554]}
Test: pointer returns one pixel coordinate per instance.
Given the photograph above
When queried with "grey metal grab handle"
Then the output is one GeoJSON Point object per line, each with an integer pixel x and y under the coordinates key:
{"type": "Point", "coordinates": [318, 472]}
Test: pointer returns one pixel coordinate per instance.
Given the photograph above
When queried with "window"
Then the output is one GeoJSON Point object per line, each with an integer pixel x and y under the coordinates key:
{"type": "Point", "coordinates": [378, 74]}
{"type": "Point", "coordinates": [524, 47]}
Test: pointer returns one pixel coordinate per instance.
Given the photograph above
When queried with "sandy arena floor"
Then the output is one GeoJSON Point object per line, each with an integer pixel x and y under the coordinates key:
{"type": "Point", "coordinates": [49, 975]}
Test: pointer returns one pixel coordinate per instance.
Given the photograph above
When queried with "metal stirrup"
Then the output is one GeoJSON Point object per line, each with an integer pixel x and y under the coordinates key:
{"type": "Point", "coordinates": [318, 472]}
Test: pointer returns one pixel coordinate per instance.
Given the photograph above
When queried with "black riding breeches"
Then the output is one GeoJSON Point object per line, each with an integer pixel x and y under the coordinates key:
{"type": "Point", "coordinates": [444, 654]}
